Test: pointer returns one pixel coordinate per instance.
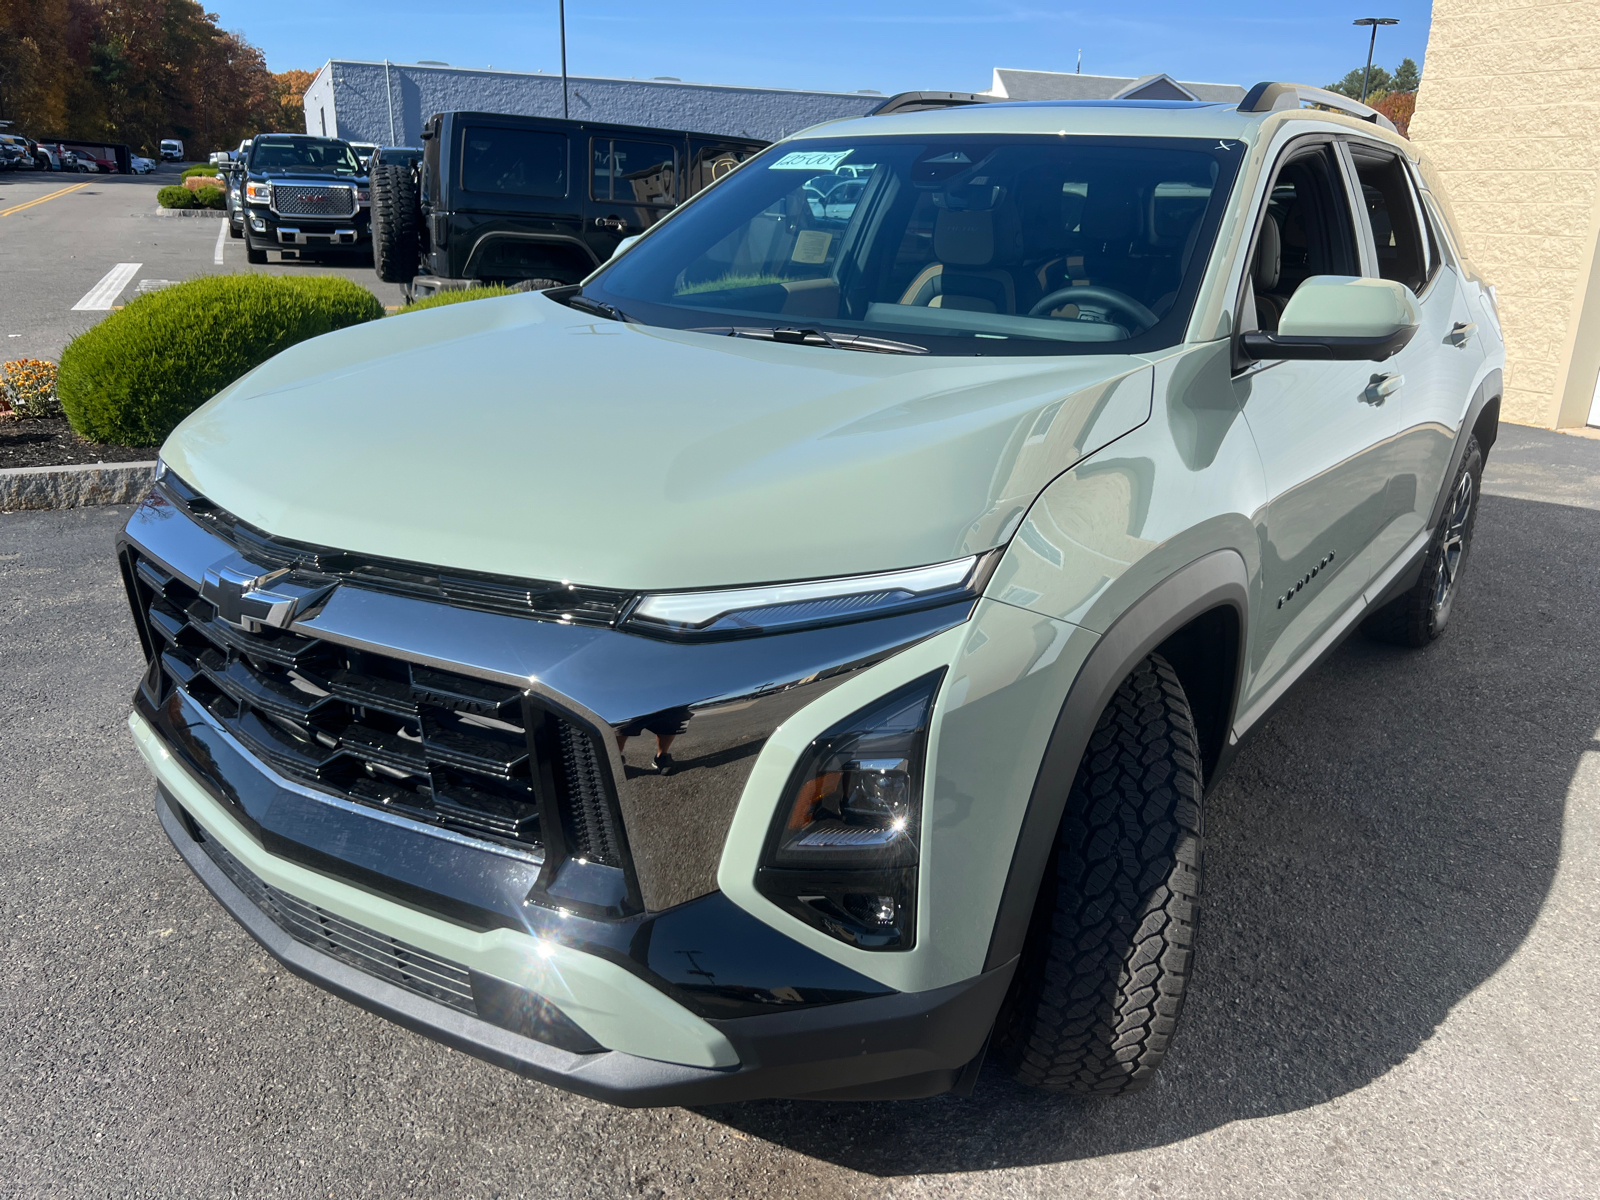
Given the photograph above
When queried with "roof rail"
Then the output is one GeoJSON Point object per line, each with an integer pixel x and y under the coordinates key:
{"type": "Point", "coordinates": [922, 101]}
{"type": "Point", "coordinates": [1271, 97]}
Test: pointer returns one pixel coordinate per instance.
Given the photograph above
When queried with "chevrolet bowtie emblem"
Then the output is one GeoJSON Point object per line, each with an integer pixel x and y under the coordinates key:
{"type": "Point", "coordinates": [247, 599]}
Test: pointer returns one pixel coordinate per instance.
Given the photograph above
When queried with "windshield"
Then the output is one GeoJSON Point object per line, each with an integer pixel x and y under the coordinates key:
{"type": "Point", "coordinates": [304, 154]}
{"type": "Point", "coordinates": [1000, 245]}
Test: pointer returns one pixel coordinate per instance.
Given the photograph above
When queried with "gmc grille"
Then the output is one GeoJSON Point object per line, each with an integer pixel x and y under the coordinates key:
{"type": "Point", "coordinates": [313, 200]}
{"type": "Point", "coordinates": [464, 753]}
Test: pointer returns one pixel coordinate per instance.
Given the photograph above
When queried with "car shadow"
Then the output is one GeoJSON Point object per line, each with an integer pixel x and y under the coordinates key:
{"type": "Point", "coordinates": [1378, 850]}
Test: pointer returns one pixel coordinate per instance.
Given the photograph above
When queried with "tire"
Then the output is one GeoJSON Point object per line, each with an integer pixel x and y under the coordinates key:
{"type": "Point", "coordinates": [235, 229]}
{"type": "Point", "coordinates": [395, 221]}
{"type": "Point", "coordinates": [252, 255]}
{"type": "Point", "coordinates": [1418, 616]}
{"type": "Point", "coordinates": [1107, 960]}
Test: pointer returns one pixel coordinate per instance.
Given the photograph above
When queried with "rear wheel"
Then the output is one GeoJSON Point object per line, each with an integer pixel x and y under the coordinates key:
{"type": "Point", "coordinates": [395, 221]}
{"type": "Point", "coordinates": [1107, 960]}
{"type": "Point", "coordinates": [1421, 614]}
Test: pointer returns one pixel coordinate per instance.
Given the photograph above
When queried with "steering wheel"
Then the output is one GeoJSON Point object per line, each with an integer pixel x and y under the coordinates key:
{"type": "Point", "coordinates": [1110, 297]}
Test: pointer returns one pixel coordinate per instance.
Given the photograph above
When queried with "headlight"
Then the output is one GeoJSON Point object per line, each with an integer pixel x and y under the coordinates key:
{"type": "Point", "coordinates": [782, 606]}
{"type": "Point", "coordinates": [258, 193]}
{"type": "Point", "coordinates": [843, 851]}
{"type": "Point", "coordinates": [363, 195]}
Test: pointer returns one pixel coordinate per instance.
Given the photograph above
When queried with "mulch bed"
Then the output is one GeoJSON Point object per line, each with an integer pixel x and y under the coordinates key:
{"type": "Point", "coordinates": [50, 442]}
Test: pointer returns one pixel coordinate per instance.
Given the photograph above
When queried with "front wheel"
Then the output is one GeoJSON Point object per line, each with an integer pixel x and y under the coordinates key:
{"type": "Point", "coordinates": [1418, 616]}
{"type": "Point", "coordinates": [252, 255]}
{"type": "Point", "coordinates": [1107, 960]}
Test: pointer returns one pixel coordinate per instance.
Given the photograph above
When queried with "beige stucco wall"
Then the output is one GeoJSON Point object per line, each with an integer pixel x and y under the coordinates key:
{"type": "Point", "coordinates": [1509, 113]}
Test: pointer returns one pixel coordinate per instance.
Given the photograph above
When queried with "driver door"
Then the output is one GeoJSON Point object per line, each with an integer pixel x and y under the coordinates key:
{"type": "Point", "coordinates": [1315, 425]}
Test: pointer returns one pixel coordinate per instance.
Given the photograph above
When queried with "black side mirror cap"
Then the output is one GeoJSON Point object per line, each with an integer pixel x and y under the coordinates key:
{"type": "Point", "coordinates": [1261, 345]}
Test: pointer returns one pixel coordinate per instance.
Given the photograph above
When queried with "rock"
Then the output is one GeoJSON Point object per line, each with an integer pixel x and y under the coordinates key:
{"type": "Point", "coordinates": [74, 486]}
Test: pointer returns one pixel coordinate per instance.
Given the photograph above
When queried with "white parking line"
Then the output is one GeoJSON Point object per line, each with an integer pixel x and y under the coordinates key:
{"type": "Point", "coordinates": [222, 240]}
{"type": "Point", "coordinates": [104, 294]}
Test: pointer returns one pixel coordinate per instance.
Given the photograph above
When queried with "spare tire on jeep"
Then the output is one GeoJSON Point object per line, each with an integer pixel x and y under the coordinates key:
{"type": "Point", "coordinates": [396, 218]}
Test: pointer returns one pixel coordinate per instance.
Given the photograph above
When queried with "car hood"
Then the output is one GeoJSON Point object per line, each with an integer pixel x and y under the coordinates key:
{"type": "Point", "coordinates": [519, 437]}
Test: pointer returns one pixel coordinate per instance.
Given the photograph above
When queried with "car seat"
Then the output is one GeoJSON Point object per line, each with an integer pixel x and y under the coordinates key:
{"type": "Point", "coordinates": [1264, 275]}
{"type": "Point", "coordinates": [974, 247]}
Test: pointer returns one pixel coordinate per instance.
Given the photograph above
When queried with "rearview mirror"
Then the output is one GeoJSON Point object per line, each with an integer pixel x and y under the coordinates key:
{"type": "Point", "coordinates": [1340, 317]}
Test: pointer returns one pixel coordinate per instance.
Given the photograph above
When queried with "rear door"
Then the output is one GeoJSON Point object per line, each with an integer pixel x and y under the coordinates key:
{"type": "Point", "coordinates": [1427, 385]}
{"type": "Point", "coordinates": [635, 179]}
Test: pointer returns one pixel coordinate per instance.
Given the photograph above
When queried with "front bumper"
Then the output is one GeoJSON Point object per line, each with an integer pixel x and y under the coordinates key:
{"type": "Point", "coordinates": [893, 1046]}
{"type": "Point", "coordinates": [268, 229]}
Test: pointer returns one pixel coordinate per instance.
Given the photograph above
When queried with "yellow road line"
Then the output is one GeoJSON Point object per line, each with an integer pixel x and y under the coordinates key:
{"type": "Point", "coordinates": [6, 212]}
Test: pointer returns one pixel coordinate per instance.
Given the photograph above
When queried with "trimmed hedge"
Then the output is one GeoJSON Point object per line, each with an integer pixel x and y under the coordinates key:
{"type": "Point", "coordinates": [192, 171]}
{"type": "Point", "coordinates": [454, 297]}
{"type": "Point", "coordinates": [176, 197]}
{"type": "Point", "coordinates": [210, 197]}
{"type": "Point", "coordinates": [132, 378]}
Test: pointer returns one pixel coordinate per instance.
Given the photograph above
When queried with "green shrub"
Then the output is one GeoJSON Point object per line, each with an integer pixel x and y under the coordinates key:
{"type": "Point", "coordinates": [193, 171]}
{"type": "Point", "coordinates": [176, 197]}
{"type": "Point", "coordinates": [131, 378]}
{"type": "Point", "coordinates": [455, 297]}
{"type": "Point", "coordinates": [210, 197]}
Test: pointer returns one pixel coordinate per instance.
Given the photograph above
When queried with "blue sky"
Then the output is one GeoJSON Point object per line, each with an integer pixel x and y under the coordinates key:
{"type": "Point", "coordinates": [890, 45]}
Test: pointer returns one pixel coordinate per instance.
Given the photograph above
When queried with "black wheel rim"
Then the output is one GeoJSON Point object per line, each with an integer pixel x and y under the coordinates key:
{"type": "Point", "coordinates": [1454, 544]}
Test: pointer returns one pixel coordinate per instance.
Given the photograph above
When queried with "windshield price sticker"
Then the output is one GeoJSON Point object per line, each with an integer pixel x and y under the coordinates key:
{"type": "Point", "coordinates": [811, 160]}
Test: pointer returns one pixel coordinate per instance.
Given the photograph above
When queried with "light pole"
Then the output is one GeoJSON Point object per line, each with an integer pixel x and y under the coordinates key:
{"type": "Point", "coordinates": [565, 115]}
{"type": "Point", "coordinates": [1371, 46]}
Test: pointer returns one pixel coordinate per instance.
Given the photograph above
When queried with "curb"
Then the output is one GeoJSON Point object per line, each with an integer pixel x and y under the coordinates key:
{"type": "Point", "coordinates": [74, 486]}
{"type": "Point", "coordinates": [188, 212]}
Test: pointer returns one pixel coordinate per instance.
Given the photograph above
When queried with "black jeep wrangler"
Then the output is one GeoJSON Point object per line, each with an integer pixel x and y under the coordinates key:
{"type": "Point", "coordinates": [302, 193]}
{"type": "Point", "coordinates": [530, 201]}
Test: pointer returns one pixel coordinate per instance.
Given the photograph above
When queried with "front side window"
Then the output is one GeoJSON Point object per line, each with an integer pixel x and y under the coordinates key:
{"type": "Point", "coordinates": [323, 156]}
{"type": "Point", "coordinates": [514, 162]}
{"type": "Point", "coordinates": [1305, 231]}
{"type": "Point", "coordinates": [630, 172]}
{"type": "Point", "coordinates": [1002, 245]}
{"type": "Point", "coordinates": [1391, 214]}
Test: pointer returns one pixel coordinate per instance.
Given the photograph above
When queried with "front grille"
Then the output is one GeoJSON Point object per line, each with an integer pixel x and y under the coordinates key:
{"type": "Point", "coordinates": [464, 589]}
{"type": "Point", "coordinates": [375, 953]}
{"type": "Point", "coordinates": [313, 200]}
{"type": "Point", "coordinates": [432, 745]}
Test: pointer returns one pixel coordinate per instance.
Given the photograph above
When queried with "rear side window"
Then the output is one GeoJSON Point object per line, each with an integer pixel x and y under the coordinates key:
{"type": "Point", "coordinates": [632, 172]}
{"type": "Point", "coordinates": [1391, 214]}
{"type": "Point", "coordinates": [514, 162]}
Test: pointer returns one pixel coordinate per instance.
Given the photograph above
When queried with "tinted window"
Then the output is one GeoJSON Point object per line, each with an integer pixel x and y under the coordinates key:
{"type": "Point", "coordinates": [712, 161]}
{"type": "Point", "coordinates": [304, 154]}
{"type": "Point", "coordinates": [1392, 215]}
{"type": "Point", "coordinates": [514, 162]}
{"type": "Point", "coordinates": [631, 172]}
{"type": "Point", "coordinates": [1022, 245]}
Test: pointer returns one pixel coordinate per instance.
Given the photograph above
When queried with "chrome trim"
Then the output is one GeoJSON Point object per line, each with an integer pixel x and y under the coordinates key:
{"type": "Point", "coordinates": [533, 855]}
{"type": "Point", "coordinates": [718, 700]}
{"type": "Point", "coordinates": [272, 196]}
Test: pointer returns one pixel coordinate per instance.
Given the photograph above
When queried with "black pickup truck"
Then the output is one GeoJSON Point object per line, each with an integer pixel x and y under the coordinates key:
{"type": "Point", "coordinates": [531, 201]}
{"type": "Point", "coordinates": [302, 193]}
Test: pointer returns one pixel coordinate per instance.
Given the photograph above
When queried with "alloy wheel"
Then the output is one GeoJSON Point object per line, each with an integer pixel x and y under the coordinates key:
{"type": "Point", "coordinates": [1454, 546]}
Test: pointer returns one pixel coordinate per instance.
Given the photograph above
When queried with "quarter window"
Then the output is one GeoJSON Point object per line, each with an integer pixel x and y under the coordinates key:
{"type": "Point", "coordinates": [514, 162]}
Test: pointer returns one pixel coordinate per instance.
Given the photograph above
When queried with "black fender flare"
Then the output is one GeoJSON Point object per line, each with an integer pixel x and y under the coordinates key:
{"type": "Point", "coordinates": [1488, 392]}
{"type": "Point", "coordinates": [1217, 579]}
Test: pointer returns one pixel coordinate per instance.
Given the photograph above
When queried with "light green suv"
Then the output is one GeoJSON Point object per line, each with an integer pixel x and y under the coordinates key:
{"type": "Point", "coordinates": [792, 663]}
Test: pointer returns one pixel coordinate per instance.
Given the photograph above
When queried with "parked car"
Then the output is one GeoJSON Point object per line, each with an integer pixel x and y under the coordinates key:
{"type": "Point", "coordinates": [399, 156]}
{"type": "Point", "coordinates": [171, 150]}
{"type": "Point", "coordinates": [14, 154]}
{"type": "Point", "coordinates": [143, 166]}
{"type": "Point", "coordinates": [303, 193]}
{"type": "Point", "coordinates": [509, 200]}
{"type": "Point", "coordinates": [793, 661]}
{"type": "Point", "coordinates": [53, 156]}
{"type": "Point", "coordinates": [364, 152]}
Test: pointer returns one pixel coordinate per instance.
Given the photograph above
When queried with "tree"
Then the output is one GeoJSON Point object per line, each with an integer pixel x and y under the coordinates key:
{"type": "Point", "coordinates": [1406, 76]}
{"type": "Point", "coordinates": [290, 94]}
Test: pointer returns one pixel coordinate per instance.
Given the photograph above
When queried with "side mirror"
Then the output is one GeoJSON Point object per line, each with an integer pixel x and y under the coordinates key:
{"type": "Point", "coordinates": [1340, 317]}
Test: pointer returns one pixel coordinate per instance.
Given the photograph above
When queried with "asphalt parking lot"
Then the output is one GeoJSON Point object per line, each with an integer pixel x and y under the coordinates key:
{"type": "Point", "coordinates": [1395, 994]}
{"type": "Point", "coordinates": [58, 250]}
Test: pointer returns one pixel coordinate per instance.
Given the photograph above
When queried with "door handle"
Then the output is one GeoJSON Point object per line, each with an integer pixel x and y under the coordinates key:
{"type": "Point", "coordinates": [1381, 387]}
{"type": "Point", "coordinates": [614, 223]}
{"type": "Point", "coordinates": [1462, 333]}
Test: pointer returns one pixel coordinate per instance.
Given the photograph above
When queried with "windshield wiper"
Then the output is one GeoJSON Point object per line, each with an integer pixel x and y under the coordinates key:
{"type": "Point", "coordinates": [598, 307]}
{"type": "Point", "coordinates": [815, 337]}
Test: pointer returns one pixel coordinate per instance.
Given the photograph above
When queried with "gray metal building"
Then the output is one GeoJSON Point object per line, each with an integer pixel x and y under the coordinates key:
{"type": "Point", "coordinates": [388, 102]}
